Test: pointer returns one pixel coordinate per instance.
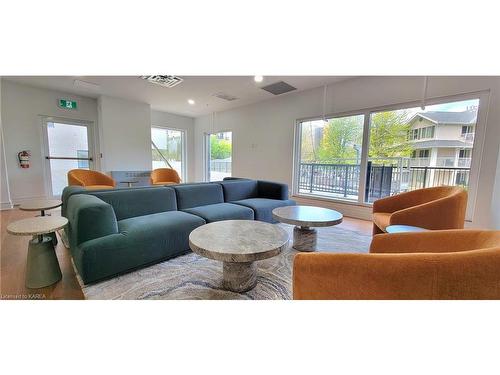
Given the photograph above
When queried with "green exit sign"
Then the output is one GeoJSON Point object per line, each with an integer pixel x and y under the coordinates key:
{"type": "Point", "coordinates": [67, 104]}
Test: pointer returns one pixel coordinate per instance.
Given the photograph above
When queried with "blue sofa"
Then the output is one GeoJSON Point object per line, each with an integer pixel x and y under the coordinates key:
{"type": "Point", "coordinates": [116, 231]}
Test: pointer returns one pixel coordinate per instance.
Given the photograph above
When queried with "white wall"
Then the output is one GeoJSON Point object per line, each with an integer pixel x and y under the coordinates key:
{"type": "Point", "coordinates": [263, 133]}
{"type": "Point", "coordinates": [22, 110]}
{"type": "Point", "coordinates": [125, 134]}
{"type": "Point", "coordinates": [169, 120]}
{"type": "Point", "coordinates": [5, 201]}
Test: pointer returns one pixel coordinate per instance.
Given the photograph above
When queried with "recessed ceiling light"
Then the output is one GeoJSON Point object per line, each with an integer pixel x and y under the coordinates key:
{"type": "Point", "coordinates": [191, 101]}
{"type": "Point", "coordinates": [258, 78]}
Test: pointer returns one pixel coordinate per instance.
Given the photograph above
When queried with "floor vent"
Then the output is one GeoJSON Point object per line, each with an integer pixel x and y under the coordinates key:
{"type": "Point", "coordinates": [224, 96]}
{"type": "Point", "coordinates": [278, 88]}
{"type": "Point", "coordinates": [165, 81]}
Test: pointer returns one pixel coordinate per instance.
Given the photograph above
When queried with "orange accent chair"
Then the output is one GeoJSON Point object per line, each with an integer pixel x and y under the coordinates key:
{"type": "Point", "coordinates": [164, 176]}
{"type": "Point", "coordinates": [444, 264]}
{"type": "Point", "coordinates": [434, 208]}
{"type": "Point", "coordinates": [91, 180]}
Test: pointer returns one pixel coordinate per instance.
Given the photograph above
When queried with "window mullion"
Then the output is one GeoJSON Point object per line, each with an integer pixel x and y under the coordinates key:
{"type": "Point", "coordinates": [364, 158]}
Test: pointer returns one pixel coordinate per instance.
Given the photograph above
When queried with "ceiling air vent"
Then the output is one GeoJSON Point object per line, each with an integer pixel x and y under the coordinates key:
{"type": "Point", "coordinates": [278, 88]}
{"type": "Point", "coordinates": [224, 96]}
{"type": "Point", "coordinates": [165, 81]}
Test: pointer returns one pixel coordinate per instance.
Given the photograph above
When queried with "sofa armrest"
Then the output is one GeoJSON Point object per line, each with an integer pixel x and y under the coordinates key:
{"type": "Point", "coordinates": [89, 218]}
{"type": "Point", "coordinates": [272, 190]}
{"type": "Point", "coordinates": [67, 192]}
{"type": "Point", "coordinates": [444, 213]}
{"type": "Point", "coordinates": [441, 241]}
{"type": "Point", "coordinates": [464, 275]}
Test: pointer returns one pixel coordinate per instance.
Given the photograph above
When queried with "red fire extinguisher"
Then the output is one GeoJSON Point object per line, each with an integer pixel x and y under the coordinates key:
{"type": "Point", "coordinates": [24, 159]}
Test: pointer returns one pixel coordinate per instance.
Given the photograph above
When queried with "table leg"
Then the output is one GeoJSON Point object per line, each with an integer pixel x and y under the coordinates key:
{"type": "Point", "coordinates": [53, 234]}
{"type": "Point", "coordinates": [239, 277]}
{"type": "Point", "coordinates": [42, 268]}
{"type": "Point", "coordinates": [304, 239]}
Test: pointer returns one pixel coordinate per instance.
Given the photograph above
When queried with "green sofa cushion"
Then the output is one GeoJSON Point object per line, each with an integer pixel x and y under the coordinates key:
{"type": "Point", "coordinates": [263, 207]}
{"type": "Point", "coordinates": [195, 195]}
{"type": "Point", "coordinates": [129, 203]}
{"type": "Point", "coordinates": [222, 211]}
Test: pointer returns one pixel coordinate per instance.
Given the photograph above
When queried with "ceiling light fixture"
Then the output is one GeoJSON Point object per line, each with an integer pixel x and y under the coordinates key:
{"type": "Point", "coordinates": [191, 101]}
{"type": "Point", "coordinates": [258, 78]}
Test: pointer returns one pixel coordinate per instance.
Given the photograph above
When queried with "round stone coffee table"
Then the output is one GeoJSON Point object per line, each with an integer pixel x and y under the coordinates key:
{"type": "Point", "coordinates": [42, 205]}
{"type": "Point", "coordinates": [42, 268]}
{"type": "Point", "coordinates": [238, 244]}
{"type": "Point", "coordinates": [305, 218]}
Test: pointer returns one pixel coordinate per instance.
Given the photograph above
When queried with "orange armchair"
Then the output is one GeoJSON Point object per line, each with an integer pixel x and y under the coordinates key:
{"type": "Point", "coordinates": [90, 179]}
{"type": "Point", "coordinates": [164, 176]}
{"type": "Point", "coordinates": [446, 264]}
{"type": "Point", "coordinates": [434, 208]}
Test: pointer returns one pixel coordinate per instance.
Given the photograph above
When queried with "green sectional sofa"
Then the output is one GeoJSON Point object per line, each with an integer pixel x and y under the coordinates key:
{"type": "Point", "coordinates": [116, 231]}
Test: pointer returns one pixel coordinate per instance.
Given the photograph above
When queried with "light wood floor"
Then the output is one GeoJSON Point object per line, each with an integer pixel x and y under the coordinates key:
{"type": "Point", "coordinates": [14, 250]}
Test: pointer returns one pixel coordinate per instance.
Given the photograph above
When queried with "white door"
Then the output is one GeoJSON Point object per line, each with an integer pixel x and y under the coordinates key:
{"type": "Point", "coordinates": [68, 145]}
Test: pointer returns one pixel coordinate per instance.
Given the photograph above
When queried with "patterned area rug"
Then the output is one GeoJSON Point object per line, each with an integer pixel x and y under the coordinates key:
{"type": "Point", "coordinates": [194, 277]}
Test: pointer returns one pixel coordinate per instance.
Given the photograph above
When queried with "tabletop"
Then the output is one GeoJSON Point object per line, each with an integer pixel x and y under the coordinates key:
{"type": "Point", "coordinates": [36, 225]}
{"type": "Point", "coordinates": [40, 204]}
{"type": "Point", "coordinates": [238, 240]}
{"type": "Point", "coordinates": [307, 216]}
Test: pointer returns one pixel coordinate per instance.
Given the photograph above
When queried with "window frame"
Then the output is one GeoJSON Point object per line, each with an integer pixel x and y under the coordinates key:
{"type": "Point", "coordinates": [206, 152]}
{"type": "Point", "coordinates": [184, 175]}
{"type": "Point", "coordinates": [476, 152]}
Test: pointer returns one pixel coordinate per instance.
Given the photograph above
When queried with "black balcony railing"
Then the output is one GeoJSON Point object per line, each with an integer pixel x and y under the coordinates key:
{"type": "Point", "coordinates": [342, 180]}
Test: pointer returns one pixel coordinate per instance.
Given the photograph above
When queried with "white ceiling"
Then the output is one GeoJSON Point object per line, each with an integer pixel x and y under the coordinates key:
{"type": "Point", "coordinates": [174, 100]}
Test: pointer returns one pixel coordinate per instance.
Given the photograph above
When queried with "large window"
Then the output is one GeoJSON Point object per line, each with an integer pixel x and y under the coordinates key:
{"type": "Point", "coordinates": [330, 156]}
{"type": "Point", "coordinates": [219, 149]}
{"type": "Point", "coordinates": [167, 146]}
{"type": "Point", "coordinates": [406, 149]}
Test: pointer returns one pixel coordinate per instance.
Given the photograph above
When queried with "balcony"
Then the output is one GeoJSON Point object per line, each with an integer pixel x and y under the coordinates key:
{"type": "Point", "coordinates": [341, 180]}
{"type": "Point", "coordinates": [468, 137]}
{"type": "Point", "coordinates": [420, 162]}
{"type": "Point", "coordinates": [445, 162]}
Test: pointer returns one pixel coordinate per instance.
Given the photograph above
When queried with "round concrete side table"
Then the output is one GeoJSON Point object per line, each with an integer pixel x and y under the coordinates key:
{"type": "Point", "coordinates": [42, 267]}
{"type": "Point", "coordinates": [238, 244]}
{"type": "Point", "coordinates": [42, 205]}
{"type": "Point", "coordinates": [305, 218]}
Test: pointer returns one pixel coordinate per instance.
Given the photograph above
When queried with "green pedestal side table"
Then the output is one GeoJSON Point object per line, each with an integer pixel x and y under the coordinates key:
{"type": "Point", "coordinates": [42, 205]}
{"type": "Point", "coordinates": [42, 267]}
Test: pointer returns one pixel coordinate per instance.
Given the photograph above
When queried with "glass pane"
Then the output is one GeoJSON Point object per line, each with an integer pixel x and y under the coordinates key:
{"type": "Point", "coordinates": [414, 148]}
{"type": "Point", "coordinates": [220, 156]}
{"type": "Point", "coordinates": [66, 140]}
{"type": "Point", "coordinates": [330, 157]}
{"type": "Point", "coordinates": [169, 143]}
{"type": "Point", "coordinates": [59, 174]}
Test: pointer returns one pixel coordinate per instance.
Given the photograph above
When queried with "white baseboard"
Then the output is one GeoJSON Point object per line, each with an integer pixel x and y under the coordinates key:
{"type": "Point", "coordinates": [349, 210]}
{"type": "Point", "coordinates": [6, 206]}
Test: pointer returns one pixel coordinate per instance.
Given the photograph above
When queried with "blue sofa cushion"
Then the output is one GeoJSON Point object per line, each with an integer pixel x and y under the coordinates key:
{"type": "Point", "coordinates": [195, 195]}
{"type": "Point", "coordinates": [272, 190]}
{"type": "Point", "coordinates": [235, 190]}
{"type": "Point", "coordinates": [141, 240]}
{"type": "Point", "coordinates": [263, 207]}
{"type": "Point", "coordinates": [222, 211]}
{"type": "Point", "coordinates": [129, 203]}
